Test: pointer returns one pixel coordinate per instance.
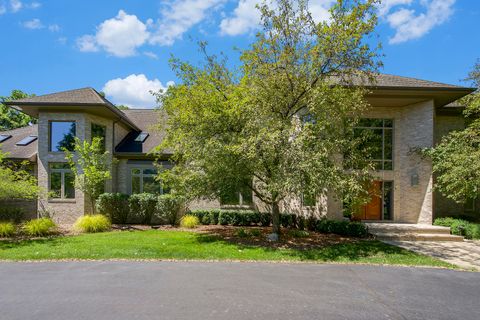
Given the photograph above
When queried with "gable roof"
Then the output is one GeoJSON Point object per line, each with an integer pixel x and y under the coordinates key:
{"type": "Point", "coordinates": [27, 152]}
{"type": "Point", "coordinates": [146, 120]}
{"type": "Point", "coordinates": [84, 99]}
{"type": "Point", "coordinates": [383, 80]}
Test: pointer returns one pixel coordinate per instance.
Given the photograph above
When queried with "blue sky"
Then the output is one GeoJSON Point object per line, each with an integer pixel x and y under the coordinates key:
{"type": "Point", "coordinates": [122, 47]}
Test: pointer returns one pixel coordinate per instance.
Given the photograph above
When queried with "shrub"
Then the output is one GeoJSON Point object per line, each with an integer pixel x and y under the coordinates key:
{"type": "Point", "coordinates": [265, 219]}
{"type": "Point", "coordinates": [169, 208]}
{"type": "Point", "coordinates": [298, 233]}
{"type": "Point", "coordinates": [7, 229]}
{"type": "Point", "coordinates": [288, 220]}
{"type": "Point", "coordinates": [206, 217]}
{"type": "Point", "coordinates": [344, 228]}
{"type": "Point", "coordinates": [444, 222]}
{"type": "Point", "coordinates": [92, 223]}
{"type": "Point", "coordinates": [189, 221]}
{"type": "Point", "coordinates": [12, 214]}
{"type": "Point", "coordinates": [115, 206]}
{"type": "Point", "coordinates": [460, 227]}
{"type": "Point", "coordinates": [256, 232]}
{"type": "Point", "coordinates": [40, 227]}
{"type": "Point", "coordinates": [142, 207]}
{"type": "Point", "coordinates": [241, 233]}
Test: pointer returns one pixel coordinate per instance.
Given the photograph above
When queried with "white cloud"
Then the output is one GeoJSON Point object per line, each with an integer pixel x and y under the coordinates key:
{"type": "Point", "coordinates": [134, 90]}
{"type": "Point", "coordinates": [87, 43]}
{"type": "Point", "coordinates": [246, 17]}
{"type": "Point", "coordinates": [150, 55]}
{"type": "Point", "coordinates": [33, 24]}
{"type": "Point", "coordinates": [54, 27]}
{"type": "Point", "coordinates": [34, 5]}
{"type": "Point", "coordinates": [16, 5]}
{"type": "Point", "coordinates": [386, 5]}
{"type": "Point", "coordinates": [409, 25]}
{"type": "Point", "coordinates": [3, 9]}
{"type": "Point", "coordinates": [179, 16]}
{"type": "Point", "coordinates": [119, 36]}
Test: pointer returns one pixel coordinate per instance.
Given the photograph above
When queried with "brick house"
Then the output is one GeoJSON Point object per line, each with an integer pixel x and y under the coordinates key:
{"type": "Point", "coordinates": [405, 114]}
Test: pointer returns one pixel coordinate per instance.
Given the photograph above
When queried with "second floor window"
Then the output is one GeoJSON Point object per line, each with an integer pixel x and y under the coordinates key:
{"type": "Point", "coordinates": [377, 137]}
{"type": "Point", "coordinates": [62, 135]}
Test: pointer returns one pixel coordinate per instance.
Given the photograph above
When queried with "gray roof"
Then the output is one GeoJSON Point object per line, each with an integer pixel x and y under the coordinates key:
{"type": "Point", "coordinates": [392, 81]}
{"type": "Point", "coordinates": [77, 96]}
{"type": "Point", "coordinates": [20, 152]}
{"type": "Point", "coordinates": [147, 120]}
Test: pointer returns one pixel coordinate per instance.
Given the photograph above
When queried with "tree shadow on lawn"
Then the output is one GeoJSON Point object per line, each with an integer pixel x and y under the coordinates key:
{"type": "Point", "coordinates": [51, 241]}
{"type": "Point", "coordinates": [317, 247]}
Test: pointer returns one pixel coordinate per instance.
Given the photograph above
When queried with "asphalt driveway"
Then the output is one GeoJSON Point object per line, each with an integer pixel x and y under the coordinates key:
{"type": "Point", "coordinates": [206, 290]}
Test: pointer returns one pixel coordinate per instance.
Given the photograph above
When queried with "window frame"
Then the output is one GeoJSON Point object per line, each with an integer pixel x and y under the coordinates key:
{"type": "Point", "coordinates": [50, 134]}
{"type": "Point", "coordinates": [384, 129]}
{"type": "Point", "coordinates": [62, 172]}
{"type": "Point", "coordinates": [241, 201]}
{"type": "Point", "coordinates": [141, 175]}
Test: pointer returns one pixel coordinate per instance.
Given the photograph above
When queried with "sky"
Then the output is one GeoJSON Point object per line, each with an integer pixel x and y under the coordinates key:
{"type": "Point", "coordinates": [122, 47]}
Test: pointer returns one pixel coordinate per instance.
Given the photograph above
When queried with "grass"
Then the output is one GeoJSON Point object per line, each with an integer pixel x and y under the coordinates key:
{"type": "Point", "coordinates": [154, 244]}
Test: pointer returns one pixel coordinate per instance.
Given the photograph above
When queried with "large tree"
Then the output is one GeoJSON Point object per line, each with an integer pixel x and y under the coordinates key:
{"type": "Point", "coordinates": [456, 159]}
{"type": "Point", "coordinates": [16, 182]}
{"type": "Point", "coordinates": [280, 122]}
{"type": "Point", "coordinates": [11, 118]}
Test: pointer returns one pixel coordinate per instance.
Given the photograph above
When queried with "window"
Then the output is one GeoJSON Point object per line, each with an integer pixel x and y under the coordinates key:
{"type": "Point", "coordinates": [62, 135]}
{"type": "Point", "coordinates": [99, 131]}
{"type": "Point", "coordinates": [237, 197]}
{"type": "Point", "coordinates": [62, 181]}
{"type": "Point", "coordinates": [4, 137]}
{"type": "Point", "coordinates": [142, 136]}
{"type": "Point", "coordinates": [143, 180]}
{"type": "Point", "coordinates": [377, 140]}
{"type": "Point", "coordinates": [26, 141]}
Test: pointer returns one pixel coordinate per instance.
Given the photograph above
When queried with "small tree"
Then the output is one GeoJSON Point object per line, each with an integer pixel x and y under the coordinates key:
{"type": "Point", "coordinates": [456, 159]}
{"type": "Point", "coordinates": [91, 167]}
{"type": "Point", "coordinates": [280, 123]}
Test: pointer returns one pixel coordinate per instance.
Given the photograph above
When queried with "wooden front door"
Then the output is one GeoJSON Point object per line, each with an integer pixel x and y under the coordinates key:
{"type": "Point", "coordinates": [373, 209]}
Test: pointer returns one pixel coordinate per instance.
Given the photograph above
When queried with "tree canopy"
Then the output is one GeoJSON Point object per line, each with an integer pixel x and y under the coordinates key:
{"type": "Point", "coordinates": [281, 122]}
{"type": "Point", "coordinates": [456, 159]}
{"type": "Point", "coordinates": [11, 118]}
{"type": "Point", "coordinates": [15, 180]}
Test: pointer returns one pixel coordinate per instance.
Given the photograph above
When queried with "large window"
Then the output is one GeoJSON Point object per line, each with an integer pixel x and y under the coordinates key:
{"type": "Point", "coordinates": [237, 197]}
{"type": "Point", "coordinates": [143, 180]}
{"type": "Point", "coordinates": [62, 135]}
{"type": "Point", "coordinates": [377, 137]}
{"type": "Point", "coordinates": [61, 181]}
{"type": "Point", "coordinates": [99, 131]}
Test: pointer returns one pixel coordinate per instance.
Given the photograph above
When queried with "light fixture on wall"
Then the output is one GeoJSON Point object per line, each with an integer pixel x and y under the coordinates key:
{"type": "Point", "coordinates": [414, 179]}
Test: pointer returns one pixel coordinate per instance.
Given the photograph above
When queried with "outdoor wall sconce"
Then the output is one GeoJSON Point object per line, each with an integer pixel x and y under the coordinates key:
{"type": "Point", "coordinates": [414, 179]}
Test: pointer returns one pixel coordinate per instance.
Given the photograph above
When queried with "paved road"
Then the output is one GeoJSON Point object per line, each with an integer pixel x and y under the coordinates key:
{"type": "Point", "coordinates": [202, 290]}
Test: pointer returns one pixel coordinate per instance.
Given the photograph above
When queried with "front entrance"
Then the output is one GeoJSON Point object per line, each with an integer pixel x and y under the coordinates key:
{"type": "Point", "coordinates": [380, 205]}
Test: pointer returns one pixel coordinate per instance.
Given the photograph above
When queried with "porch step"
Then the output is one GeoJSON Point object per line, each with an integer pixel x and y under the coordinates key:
{"type": "Point", "coordinates": [418, 237]}
{"type": "Point", "coordinates": [411, 232]}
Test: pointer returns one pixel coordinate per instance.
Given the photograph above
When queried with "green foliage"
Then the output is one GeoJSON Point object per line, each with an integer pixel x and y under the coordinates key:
{"type": "Point", "coordinates": [262, 121]}
{"type": "Point", "coordinates": [169, 207]}
{"type": "Point", "coordinates": [255, 232]}
{"type": "Point", "coordinates": [206, 216]}
{"type": "Point", "coordinates": [7, 229]}
{"type": "Point", "coordinates": [115, 206]}
{"type": "Point", "coordinates": [39, 227]}
{"type": "Point", "coordinates": [93, 223]}
{"type": "Point", "coordinates": [142, 207]}
{"type": "Point", "coordinates": [242, 233]}
{"type": "Point", "coordinates": [11, 118]}
{"type": "Point", "coordinates": [456, 159]}
{"type": "Point", "coordinates": [15, 181]}
{"type": "Point", "coordinates": [189, 221]}
{"type": "Point", "coordinates": [91, 167]}
{"type": "Point", "coordinates": [343, 228]}
{"type": "Point", "coordinates": [298, 233]}
{"type": "Point", "coordinates": [12, 214]}
{"type": "Point", "coordinates": [460, 227]}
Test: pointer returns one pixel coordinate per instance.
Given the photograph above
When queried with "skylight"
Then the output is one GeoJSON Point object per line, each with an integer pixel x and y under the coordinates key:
{"type": "Point", "coordinates": [4, 137]}
{"type": "Point", "coordinates": [26, 141]}
{"type": "Point", "coordinates": [141, 137]}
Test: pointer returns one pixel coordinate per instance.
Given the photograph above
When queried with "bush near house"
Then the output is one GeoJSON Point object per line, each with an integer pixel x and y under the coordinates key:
{"type": "Point", "coordinates": [11, 214]}
{"type": "Point", "coordinates": [168, 209]}
{"type": "Point", "coordinates": [115, 206]}
{"type": "Point", "coordinates": [92, 223]}
{"type": "Point", "coordinates": [460, 227]}
{"type": "Point", "coordinates": [7, 229]}
{"type": "Point", "coordinates": [142, 207]}
{"type": "Point", "coordinates": [189, 221]}
{"type": "Point", "coordinates": [39, 227]}
{"type": "Point", "coordinates": [288, 220]}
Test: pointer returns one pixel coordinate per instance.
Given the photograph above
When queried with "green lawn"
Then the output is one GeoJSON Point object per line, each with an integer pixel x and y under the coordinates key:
{"type": "Point", "coordinates": [154, 244]}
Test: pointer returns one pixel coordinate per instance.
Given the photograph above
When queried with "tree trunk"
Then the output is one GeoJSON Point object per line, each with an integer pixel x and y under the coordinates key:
{"type": "Point", "coordinates": [276, 218]}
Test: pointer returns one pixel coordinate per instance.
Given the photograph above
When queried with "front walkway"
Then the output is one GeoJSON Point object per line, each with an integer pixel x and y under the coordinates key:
{"type": "Point", "coordinates": [465, 254]}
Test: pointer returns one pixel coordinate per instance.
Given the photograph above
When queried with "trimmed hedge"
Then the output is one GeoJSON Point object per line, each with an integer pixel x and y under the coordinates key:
{"type": "Point", "coordinates": [12, 214]}
{"type": "Point", "coordinates": [168, 208]}
{"type": "Point", "coordinates": [460, 227]}
{"type": "Point", "coordinates": [248, 218]}
{"type": "Point", "coordinates": [115, 206]}
{"type": "Point", "coordinates": [142, 208]}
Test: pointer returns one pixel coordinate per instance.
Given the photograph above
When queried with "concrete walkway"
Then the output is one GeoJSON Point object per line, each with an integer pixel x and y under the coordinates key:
{"type": "Point", "coordinates": [118, 290]}
{"type": "Point", "coordinates": [465, 254]}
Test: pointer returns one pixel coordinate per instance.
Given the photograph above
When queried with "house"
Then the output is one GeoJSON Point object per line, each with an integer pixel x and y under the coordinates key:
{"type": "Point", "coordinates": [405, 114]}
